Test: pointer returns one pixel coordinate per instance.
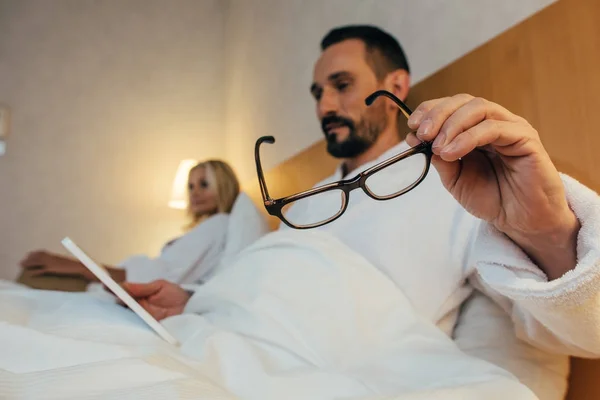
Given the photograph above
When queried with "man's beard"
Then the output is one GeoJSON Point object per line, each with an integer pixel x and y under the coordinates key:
{"type": "Point", "coordinates": [361, 136]}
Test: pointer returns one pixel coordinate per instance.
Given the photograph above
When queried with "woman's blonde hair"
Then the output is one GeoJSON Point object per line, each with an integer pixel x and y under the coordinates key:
{"type": "Point", "coordinates": [221, 176]}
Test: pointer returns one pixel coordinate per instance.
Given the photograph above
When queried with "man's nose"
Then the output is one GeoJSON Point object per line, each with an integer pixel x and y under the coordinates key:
{"type": "Point", "coordinates": [328, 104]}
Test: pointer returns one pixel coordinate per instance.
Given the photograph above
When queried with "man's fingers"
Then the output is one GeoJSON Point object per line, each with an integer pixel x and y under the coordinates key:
{"type": "Point", "coordinates": [507, 138]}
{"type": "Point", "coordinates": [412, 140]}
{"type": "Point", "coordinates": [442, 119]}
{"type": "Point", "coordinates": [437, 112]}
{"type": "Point", "coordinates": [469, 115]}
{"type": "Point", "coordinates": [422, 110]}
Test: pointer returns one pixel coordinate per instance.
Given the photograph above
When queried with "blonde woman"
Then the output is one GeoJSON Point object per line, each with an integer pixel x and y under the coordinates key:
{"type": "Point", "coordinates": [212, 189]}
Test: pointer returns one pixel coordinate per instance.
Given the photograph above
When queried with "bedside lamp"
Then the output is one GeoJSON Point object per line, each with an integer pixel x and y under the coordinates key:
{"type": "Point", "coordinates": [179, 195]}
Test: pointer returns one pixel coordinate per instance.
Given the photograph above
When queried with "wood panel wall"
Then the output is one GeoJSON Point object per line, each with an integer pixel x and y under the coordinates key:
{"type": "Point", "coordinates": [546, 69]}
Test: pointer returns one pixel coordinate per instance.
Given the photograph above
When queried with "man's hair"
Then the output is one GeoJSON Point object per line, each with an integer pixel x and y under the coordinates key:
{"type": "Point", "coordinates": [384, 53]}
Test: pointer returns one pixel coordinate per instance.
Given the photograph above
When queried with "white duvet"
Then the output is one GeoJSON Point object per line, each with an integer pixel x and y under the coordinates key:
{"type": "Point", "coordinates": [296, 316]}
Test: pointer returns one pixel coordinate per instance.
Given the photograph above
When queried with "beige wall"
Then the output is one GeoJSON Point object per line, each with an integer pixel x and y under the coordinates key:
{"type": "Point", "coordinates": [273, 44]}
{"type": "Point", "coordinates": [107, 97]}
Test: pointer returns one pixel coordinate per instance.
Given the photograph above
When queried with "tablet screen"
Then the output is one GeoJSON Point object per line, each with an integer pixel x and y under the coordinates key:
{"type": "Point", "coordinates": [101, 273]}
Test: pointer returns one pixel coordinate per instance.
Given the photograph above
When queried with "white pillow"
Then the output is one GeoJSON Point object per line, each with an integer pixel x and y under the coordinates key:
{"type": "Point", "coordinates": [485, 331]}
{"type": "Point", "coordinates": [246, 225]}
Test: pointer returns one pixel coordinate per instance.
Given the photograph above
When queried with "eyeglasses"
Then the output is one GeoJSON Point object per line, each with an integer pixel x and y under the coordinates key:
{"type": "Point", "coordinates": [403, 172]}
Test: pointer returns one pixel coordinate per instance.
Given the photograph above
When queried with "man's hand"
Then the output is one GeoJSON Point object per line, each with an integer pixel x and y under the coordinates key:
{"type": "Point", "coordinates": [162, 299]}
{"type": "Point", "coordinates": [494, 164]}
{"type": "Point", "coordinates": [42, 262]}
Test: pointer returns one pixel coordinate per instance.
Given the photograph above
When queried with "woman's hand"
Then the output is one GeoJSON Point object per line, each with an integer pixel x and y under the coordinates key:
{"type": "Point", "coordinates": [42, 262]}
{"type": "Point", "coordinates": [162, 299]}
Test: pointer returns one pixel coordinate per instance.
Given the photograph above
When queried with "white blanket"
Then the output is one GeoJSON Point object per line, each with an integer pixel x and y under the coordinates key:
{"type": "Point", "coordinates": [297, 316]}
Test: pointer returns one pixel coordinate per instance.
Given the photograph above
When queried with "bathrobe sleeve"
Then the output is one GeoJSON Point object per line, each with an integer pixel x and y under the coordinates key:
{"type": "Point", "coordinates": [186, 260]}
{"type": "Point", "coordinates": [562, 315]}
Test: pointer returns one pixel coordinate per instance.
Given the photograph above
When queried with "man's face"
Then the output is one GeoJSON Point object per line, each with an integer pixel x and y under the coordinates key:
{"type": "Point", "coordinates": [342, 79]}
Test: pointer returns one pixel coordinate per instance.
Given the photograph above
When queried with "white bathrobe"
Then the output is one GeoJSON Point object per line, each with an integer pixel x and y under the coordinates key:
{"type": "Point", "coordinates": [188, 259]}
{"type": "Point", "coordinates": [195, 256]}
{"type": "Point", "coordinates": [436, 252]}
{"type": "Point", "coordinates": [424, 240]}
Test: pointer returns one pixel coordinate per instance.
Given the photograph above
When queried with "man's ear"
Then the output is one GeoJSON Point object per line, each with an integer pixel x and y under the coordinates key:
{"type": "Point", "coordinates": [398, 83]}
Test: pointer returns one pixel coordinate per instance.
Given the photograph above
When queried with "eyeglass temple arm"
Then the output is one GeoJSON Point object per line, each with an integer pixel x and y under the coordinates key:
{"type": "Point", "coordinates": [259, 170]}
{"type": "Point", "coordinates": [403, 107]}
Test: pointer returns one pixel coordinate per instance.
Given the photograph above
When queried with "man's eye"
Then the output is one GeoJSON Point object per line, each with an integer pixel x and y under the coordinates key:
{"type": "Point", "coordinates": [341, 86]}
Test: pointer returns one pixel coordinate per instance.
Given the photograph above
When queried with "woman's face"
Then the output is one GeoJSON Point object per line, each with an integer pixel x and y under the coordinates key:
{"type": "Point", "coordinates": [202, 192]}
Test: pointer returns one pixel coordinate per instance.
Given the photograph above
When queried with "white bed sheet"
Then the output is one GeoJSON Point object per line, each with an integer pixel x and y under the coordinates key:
{"type": "Point", "coordinates": [294, 317]}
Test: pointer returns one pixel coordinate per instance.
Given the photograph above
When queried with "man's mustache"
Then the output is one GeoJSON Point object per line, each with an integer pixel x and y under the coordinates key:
{"type": "Point", "coordinates": [335, 120]}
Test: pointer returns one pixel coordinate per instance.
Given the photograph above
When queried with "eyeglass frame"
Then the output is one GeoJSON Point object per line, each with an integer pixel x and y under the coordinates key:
{"type": "Point", "coordinates": [274, 206]}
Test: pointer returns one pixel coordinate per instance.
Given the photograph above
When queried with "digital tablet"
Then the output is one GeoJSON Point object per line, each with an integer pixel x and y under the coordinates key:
{"type": "Point", "coordinates": [101, 273]}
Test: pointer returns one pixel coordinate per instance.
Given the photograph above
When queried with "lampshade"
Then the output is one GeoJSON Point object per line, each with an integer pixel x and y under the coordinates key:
{"type": "Point", "coordinates": [179, 194]}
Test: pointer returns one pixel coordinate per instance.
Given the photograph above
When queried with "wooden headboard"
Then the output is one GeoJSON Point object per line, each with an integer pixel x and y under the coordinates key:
{"type": "Point", "coordinates": [544, 69]}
